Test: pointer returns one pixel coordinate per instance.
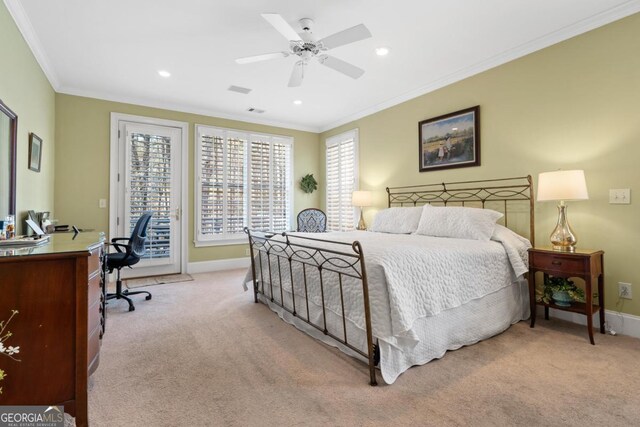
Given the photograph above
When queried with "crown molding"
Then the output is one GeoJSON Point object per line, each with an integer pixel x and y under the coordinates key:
{"type": "Point", "coordinates": [622, 11]}
{"type": "Point", "coordinates": [184, 108]}
{"type": "Point", "coordinates": [23, 23]}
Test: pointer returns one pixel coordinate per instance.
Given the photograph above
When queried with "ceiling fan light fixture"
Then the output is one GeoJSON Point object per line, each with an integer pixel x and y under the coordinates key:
{"type": "Point", "coordinates": [306, 47]}
{"type": "Point", "coordinates": [382, 51]}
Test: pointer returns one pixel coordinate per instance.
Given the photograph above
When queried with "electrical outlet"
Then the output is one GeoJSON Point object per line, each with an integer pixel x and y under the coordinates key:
{"type": "Point", "coordinates": [102, 203]}
{"type": "Point", "coordinates": [624, 290]}
{"type": "Point", "coordinates": [247, 252]}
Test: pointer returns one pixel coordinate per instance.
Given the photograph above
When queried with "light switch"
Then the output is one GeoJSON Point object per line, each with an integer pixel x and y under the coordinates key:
{"type": "Point", "coordinates": [102, 203]}
{"type": "Point", "coordinates": [621, 196]}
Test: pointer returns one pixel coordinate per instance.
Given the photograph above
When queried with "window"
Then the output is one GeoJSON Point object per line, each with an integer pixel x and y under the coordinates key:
{"type": "Point", "coordinates": [342, 180]}
{"type": "Point", "coordinates": [242, 179]}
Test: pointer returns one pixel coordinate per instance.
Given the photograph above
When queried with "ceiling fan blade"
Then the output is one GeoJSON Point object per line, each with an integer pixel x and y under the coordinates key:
{"type": "Point", "coordinates": [350, 35]}
{"type": "Point", "coordinates": [263, 57]}
{"type": "Point", "coordinates": [341, 66]}
{"type": "Point", "coordinates": [297, 74]}
{"type": "Point", "coordinates": [282, 26]}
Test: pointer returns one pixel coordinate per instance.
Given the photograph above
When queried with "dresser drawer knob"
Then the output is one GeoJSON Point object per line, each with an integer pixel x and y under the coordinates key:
{"type": "Point", "coordinates": [556, 262]}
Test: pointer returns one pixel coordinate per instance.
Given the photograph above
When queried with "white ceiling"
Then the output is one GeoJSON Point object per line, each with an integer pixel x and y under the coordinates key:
{"type": "Point", "coordinates": [113, 50]}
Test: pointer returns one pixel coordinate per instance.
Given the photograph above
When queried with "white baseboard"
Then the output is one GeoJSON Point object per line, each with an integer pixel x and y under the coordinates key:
{"type": "Point", "coordinates": [218, 265]}
{"type": "Point", "coordinates": [622, 323]}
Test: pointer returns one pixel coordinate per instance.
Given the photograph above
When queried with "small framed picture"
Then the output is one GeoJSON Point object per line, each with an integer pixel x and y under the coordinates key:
{"type": "Point", "coordinates": [35, 152]}
{"type": "Point", "coordinates": [450, 141]}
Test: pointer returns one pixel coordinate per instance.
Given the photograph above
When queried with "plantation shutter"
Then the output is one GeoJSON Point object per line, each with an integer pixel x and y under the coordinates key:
{"type": "Point", "coordinates": [260, 198]}
{"type": "Point", "coordinates": [149, 186]}
{"type": "Point", "coordinates": [281, 185]}
{"type": "Point", "coordinates": [342, 176]}
{"type": "Point", "coordinates": [243, 180]}
{"type": "Point", "coordinates": [270, 180]}
{"type": "Point", "coordinates": [221, 184]}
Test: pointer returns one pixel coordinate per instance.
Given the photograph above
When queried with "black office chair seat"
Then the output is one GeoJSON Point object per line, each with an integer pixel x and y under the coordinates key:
{"type": "Point", "coordinates": [128, 255]}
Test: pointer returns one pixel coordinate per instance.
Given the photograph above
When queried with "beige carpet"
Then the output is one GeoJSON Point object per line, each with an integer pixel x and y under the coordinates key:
{"type": "Point", "coordinates": [203, 354]}
{"type": "Point", "coordinates": [157, 280]}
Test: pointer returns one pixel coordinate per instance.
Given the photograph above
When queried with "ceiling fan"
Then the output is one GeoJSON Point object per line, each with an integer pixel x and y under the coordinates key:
{"type": "Point", "coordinates": [306, 47]}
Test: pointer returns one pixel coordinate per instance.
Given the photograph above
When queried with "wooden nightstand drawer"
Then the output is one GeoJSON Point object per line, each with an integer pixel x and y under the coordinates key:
{"type": "Point", "coordinates": [560, 263]}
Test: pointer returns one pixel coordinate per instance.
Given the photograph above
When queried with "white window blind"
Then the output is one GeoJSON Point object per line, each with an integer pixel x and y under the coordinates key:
{"type": "Point", "coordinates": [243, 179]}
{"type": "Point", "coordinates": [342, 180]}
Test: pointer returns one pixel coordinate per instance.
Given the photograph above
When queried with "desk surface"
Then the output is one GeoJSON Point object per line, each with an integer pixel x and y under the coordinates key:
{"type": "Point", "coordinates": [58, 243]}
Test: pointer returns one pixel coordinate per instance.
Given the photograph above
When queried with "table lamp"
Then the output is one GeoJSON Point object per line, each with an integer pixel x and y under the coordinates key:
{"type": "Point", "coordinates": [361, 199]}
{"type": "Point", "coordinates": [562, 186]}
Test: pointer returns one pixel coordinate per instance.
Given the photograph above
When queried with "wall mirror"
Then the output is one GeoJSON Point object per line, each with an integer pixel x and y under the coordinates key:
{"type": "Point", "coordinates": [8, 148]}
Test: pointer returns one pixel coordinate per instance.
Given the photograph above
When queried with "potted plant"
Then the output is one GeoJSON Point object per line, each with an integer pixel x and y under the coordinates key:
{"type": "Point", "coordinates": [308, 183]}
{"type": "Point", "coordinates": [562, 291]}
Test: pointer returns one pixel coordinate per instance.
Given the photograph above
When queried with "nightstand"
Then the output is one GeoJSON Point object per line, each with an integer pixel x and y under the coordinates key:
{"type": "Point", "coordinates": [585, 264]}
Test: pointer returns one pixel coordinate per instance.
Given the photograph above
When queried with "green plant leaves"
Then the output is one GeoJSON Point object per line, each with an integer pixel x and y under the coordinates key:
{"type": "Point", "coordinates": [308, 183]}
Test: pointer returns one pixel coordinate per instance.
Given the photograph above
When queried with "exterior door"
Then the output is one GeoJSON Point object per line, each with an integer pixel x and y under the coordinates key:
{"type": "Point", "coordinates": [149, 180]}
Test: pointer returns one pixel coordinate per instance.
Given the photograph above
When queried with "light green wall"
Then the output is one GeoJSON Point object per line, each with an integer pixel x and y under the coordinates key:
{"type": "Point", "coordinates": [82, 161]}
{"type": "Point", "coordinates": [574, 105]}
{"type": "Point", "coordinates": [25, 89]}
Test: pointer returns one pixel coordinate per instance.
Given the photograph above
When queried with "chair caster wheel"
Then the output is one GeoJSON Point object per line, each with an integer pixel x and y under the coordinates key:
{"type": "Point", "coordinates": [148, 297]}
{"type": "Point", "coordinates": [132, 308]}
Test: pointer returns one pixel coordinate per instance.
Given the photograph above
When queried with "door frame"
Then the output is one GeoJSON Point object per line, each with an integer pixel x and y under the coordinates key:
{"type": "Point", "coordinates": [184, 184]}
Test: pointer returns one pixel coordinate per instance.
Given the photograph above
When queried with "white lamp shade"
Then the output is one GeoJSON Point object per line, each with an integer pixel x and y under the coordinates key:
{"type": "Point", "coordinates": [361, 198]}
{"type": "Point", "coordinates": [562, 185]}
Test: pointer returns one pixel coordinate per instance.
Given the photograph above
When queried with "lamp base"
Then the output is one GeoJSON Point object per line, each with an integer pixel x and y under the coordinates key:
{"type": "Point", "coordinates": [562, 238]}
{"type": "Point", "coordinates": [564, 248]}
{"type": "Point", "coordinates": [361, 224]}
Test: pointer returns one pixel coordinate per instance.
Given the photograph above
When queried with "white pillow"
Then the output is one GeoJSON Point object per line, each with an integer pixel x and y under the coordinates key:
{"type": "Point", "coordinates": [458, 222]}
{"type": "Point", "coordinates": [397, 220]}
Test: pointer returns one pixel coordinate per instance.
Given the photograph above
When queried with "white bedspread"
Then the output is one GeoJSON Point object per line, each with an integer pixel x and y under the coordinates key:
{"type": "Point", "coordinates": [412, 277]}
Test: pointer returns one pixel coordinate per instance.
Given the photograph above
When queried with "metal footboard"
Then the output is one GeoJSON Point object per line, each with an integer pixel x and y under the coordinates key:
{"type": "Point", "coordinates": [275, 257]}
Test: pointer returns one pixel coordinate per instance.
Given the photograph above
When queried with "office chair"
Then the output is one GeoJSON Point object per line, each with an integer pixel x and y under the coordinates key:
{"type": "Point", "coordinates": [128, 255]}
{"type": "Point", "coordinates": [312, 221]}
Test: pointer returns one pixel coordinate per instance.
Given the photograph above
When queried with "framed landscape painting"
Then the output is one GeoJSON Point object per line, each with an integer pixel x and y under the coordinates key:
{"type": "Point", "coordinates": [450, 141]}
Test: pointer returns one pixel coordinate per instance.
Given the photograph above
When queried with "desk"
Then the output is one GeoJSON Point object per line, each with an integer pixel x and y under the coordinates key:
{"type": "Point", "coordinates": [58, 291]}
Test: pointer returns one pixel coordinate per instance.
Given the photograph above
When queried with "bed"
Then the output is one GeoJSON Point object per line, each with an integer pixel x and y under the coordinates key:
{"type": "Point", "coordinates": [395, 300]}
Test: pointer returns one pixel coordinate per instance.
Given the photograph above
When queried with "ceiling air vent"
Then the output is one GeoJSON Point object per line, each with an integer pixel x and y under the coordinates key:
{"type": "Point", "coordinates": [239, 89]}
{"type": "Point", "coordinates": [255, 110]}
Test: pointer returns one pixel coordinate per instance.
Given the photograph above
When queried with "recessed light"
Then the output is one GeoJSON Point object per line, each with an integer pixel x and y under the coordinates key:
{"type": "Point", "coordinates": [164, 73]}
{"type": "Point", "coordinates": [382, 51]}
{"type": "Point", "coordinates": [297, 102]}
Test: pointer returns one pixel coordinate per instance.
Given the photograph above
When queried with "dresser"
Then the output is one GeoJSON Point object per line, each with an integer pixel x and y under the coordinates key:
{"type": "Point", "coordinates": [52, 301]}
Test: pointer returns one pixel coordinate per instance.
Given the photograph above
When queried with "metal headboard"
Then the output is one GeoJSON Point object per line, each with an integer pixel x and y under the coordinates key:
{"type": "Point", "coordinates": [499, 194]}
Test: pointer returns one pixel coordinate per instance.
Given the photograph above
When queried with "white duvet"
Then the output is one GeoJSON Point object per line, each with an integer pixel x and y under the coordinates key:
{"type": "Point", "coordinates": [410, 277]}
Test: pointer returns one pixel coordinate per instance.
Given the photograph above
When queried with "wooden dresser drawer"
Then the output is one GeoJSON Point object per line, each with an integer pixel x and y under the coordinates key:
{"type": "Point", "coordinates": [93, 345]}
{"type": "Point", "coordinates": [95, 264]}
{"type": "Point", "coordinates": [95, 316]}
{"type": "Point", "coordinates": [559, 262]}
{"type": "Point", "coordinates": [95, 289]}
